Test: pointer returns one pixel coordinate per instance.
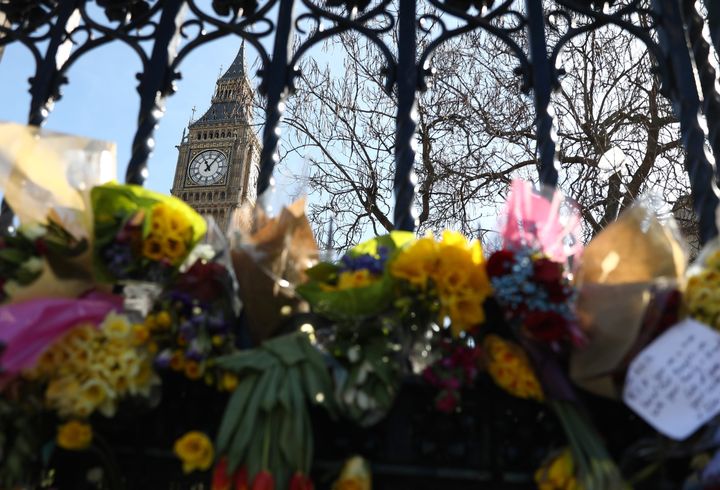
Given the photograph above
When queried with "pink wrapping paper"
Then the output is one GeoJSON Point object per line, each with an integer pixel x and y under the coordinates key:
{"type": "Point", "coordinates": [27, 329]}
{"type": "Point", "coordinates": [549, 225]}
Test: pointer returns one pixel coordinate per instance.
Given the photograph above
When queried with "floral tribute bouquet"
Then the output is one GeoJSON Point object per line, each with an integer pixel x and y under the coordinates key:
{"type": "Point", "coordinates": [72, 355]}
{"type": "Point", "coordinates": [120, 309]}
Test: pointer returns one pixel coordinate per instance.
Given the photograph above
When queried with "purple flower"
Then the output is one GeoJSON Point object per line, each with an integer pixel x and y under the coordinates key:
{"type": "Point", "coordinates": [188, 331]}
{"type": "Point", "coordinates": [118, 257]}
{"type": "Point", "coordinates": [162, 360]}
{"type": "Point", "coordinates": [376, 265]}
{"type": "Point", "coordinates": [194, 352]}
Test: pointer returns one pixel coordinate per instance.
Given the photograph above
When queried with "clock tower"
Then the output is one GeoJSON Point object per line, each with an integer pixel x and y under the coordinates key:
{"type": "Point", "coordinates": [218, 155]}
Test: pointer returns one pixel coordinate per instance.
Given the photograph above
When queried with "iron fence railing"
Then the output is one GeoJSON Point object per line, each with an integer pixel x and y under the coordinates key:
{"type": "Point", "coordinates": [163, 32]}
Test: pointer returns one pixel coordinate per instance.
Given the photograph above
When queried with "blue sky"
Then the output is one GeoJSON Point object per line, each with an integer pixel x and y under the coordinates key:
{"type": "Point", "coordinates": [101, 99]}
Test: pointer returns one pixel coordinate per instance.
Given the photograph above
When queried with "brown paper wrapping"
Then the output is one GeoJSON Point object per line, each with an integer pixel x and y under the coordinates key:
{"type": "Point", "coordinates": [270, 256]}
{"type": "Point", "coordinates": [620, 268]}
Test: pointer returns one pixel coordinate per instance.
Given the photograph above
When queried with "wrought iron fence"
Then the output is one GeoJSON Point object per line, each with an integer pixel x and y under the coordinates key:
{"type": "Point", "coordinates": [163, 32]}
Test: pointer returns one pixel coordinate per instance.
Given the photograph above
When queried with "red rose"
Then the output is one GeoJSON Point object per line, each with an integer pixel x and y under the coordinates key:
{"type": "Point", "coordinates": [500, 263]}
{"type": "Point", "coordinates": [41, 247]}
{"type": "Point", "coordinates": [546, 271]}
{"type": "Point", "coordinates": [547, 326]}
{"type": "Point", "coordinates": [204, 281]}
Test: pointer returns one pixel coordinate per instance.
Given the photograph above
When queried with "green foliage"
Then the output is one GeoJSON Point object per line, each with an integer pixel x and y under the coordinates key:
{"type": "Point", "coordinates": [266, 425]}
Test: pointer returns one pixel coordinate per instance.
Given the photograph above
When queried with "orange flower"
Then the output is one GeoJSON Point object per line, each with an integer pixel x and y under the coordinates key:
{"type": "Point", "coordinates": [510, 368]}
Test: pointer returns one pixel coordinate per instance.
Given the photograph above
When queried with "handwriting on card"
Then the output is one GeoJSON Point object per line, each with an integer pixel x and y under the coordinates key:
{"type": "Point", "coordinates": [674, 383]}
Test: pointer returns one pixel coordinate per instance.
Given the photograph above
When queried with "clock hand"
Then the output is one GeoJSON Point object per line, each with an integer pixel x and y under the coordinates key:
{"type": "Point", "coordinates": [208, 165]}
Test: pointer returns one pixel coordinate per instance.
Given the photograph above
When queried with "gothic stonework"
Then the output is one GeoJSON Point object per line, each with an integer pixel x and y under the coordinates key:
{"type": "Point", "coordinates": [217, 165]}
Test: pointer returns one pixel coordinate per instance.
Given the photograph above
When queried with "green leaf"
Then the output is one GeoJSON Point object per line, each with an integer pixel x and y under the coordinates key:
{"type": "Point", "coordinates": [283, 394]}
{"type": "Point", "coordinates": [294, 453]}
{"type": "Point", "coordinates": [349, 303]}
{"type": "Point", "coordinates": [255, 449]}
{"type": "Point", "coordinates": [287, 348]}
{"type": "Point", "coordinates": [323, 272]}
{"type": "Point", "coordinates": [248, 424]}
{"type": "Point", "coordinates": [234, 411]}
{"type": "Point", "coordinates": [392, 241]}
{"type": "Point", "coordinates": [14, 255]}
{"type": "Point", "coordinates": [255, 360]}
{"type": "Point", "coordinates": [308, 442]}
{"type": "Point", "coordinates": [270, 400]}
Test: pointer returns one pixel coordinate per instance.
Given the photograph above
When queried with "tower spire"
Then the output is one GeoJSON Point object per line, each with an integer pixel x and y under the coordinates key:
{"type": "Point", "coordinates": [238, 68]}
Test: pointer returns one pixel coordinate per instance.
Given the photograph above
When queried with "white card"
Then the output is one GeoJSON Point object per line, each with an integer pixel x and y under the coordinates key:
{"type": "Point", "coordinates": [674, 383]}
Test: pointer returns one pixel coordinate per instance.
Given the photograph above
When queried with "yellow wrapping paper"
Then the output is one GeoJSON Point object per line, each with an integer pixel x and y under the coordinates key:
{"type": "Point", "coordinates": [270, 256]}
{"type": "Point", "coordinates": [47, 176]}
{"type": "Point", "coordinates": [619, 269]}
{"type": "Point", "coordinates": [42, 171]}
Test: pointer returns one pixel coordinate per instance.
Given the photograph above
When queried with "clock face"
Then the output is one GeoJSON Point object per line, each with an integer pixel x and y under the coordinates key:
{"type": "Point", "coordinates": [208, 167]}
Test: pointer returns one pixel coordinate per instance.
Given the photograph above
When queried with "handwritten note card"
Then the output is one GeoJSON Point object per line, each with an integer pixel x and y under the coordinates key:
{"type": "Point", "coordinates": [674, 383]}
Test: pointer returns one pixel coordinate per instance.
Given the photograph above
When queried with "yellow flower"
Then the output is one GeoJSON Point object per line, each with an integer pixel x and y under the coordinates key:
{"type": "Point", "coordinates": [355, 279]}
{"type": "Point", "coordinates": [193, 370]}
{"type": "Point", "coordinates": [159, 217]}
{"type": "Point", "coordinates": [355, 475]}
{"type": "Point", "coordinates": [229, 381]}
{"type": "Point", "coordinates": [151, 322]}
{"type": "Point", "coordinates": [140, 334]}
{"type": "Point", "coordinates": [417, 262]}
{"type": "Point", "coordinates": [95, 391]}
{"type": "Point", "coordinates": [59, 389]}
{"type": "Point", "coordinates": [153, 248]}
{"type": "Point", "coordinates": [557, 473]}
{"type": "Point", "coordinates": [74, 436]}
{"type": "Point", "coordinates": [195, 451]}
{"type": "Point", "coordinates": [510, 368]}
{"type": "Point", "coordinates": [174, 248]}
{"type": "Point", "coordinates": [163, 320]}
{"type": "Point", "coordinates": [465, 312]}
{"type": "Point", "coordinates": [115, 326]}
{"type": "Point", "coordinates": [177, 361]}
{"type": "Point", "coordinates": [169, 219]}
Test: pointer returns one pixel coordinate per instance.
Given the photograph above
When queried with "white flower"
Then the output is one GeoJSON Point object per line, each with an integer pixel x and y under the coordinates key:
{"type": "Point", "coordinates": [33, 265]}
{"type": "Point", "coordinates": [353, 353]}
{"type": "Point", "coordinates": [32, 231]}
{"type": "Point", "coordinates": [12, 287]}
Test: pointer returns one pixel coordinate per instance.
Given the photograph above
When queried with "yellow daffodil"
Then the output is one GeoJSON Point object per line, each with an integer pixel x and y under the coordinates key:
{"type": "Point", "coordinates": [355, 475]}
{"type": "Point", "coordinates": [510, 368]}
{"type": "Point", "coordinates": [140, 334]}
{"type": "Point", "coordinates": [74, 436]}
{"type": "Point", "coordinates": [163, 320]}
{"type": "Point", "coordinates": [95, 391]}
{"type": "Point", "coordinates": [89, 369]}
{"type": "Point", "coordinates": [455, 266]}
{"type": "Point", "coordinates": [116, 326]}
{"type": "Point", "coordinates": [417, 263]}
{"type": "Point", "coordinates": [557, 473]}
{"type": "Point", "coordinates": [465, 312]}
{"type": "Point", "coordinates": [195, 451]}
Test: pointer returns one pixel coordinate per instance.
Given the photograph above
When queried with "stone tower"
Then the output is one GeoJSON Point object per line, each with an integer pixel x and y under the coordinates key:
{"type": "Point", "coordinates": [217, 166]}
